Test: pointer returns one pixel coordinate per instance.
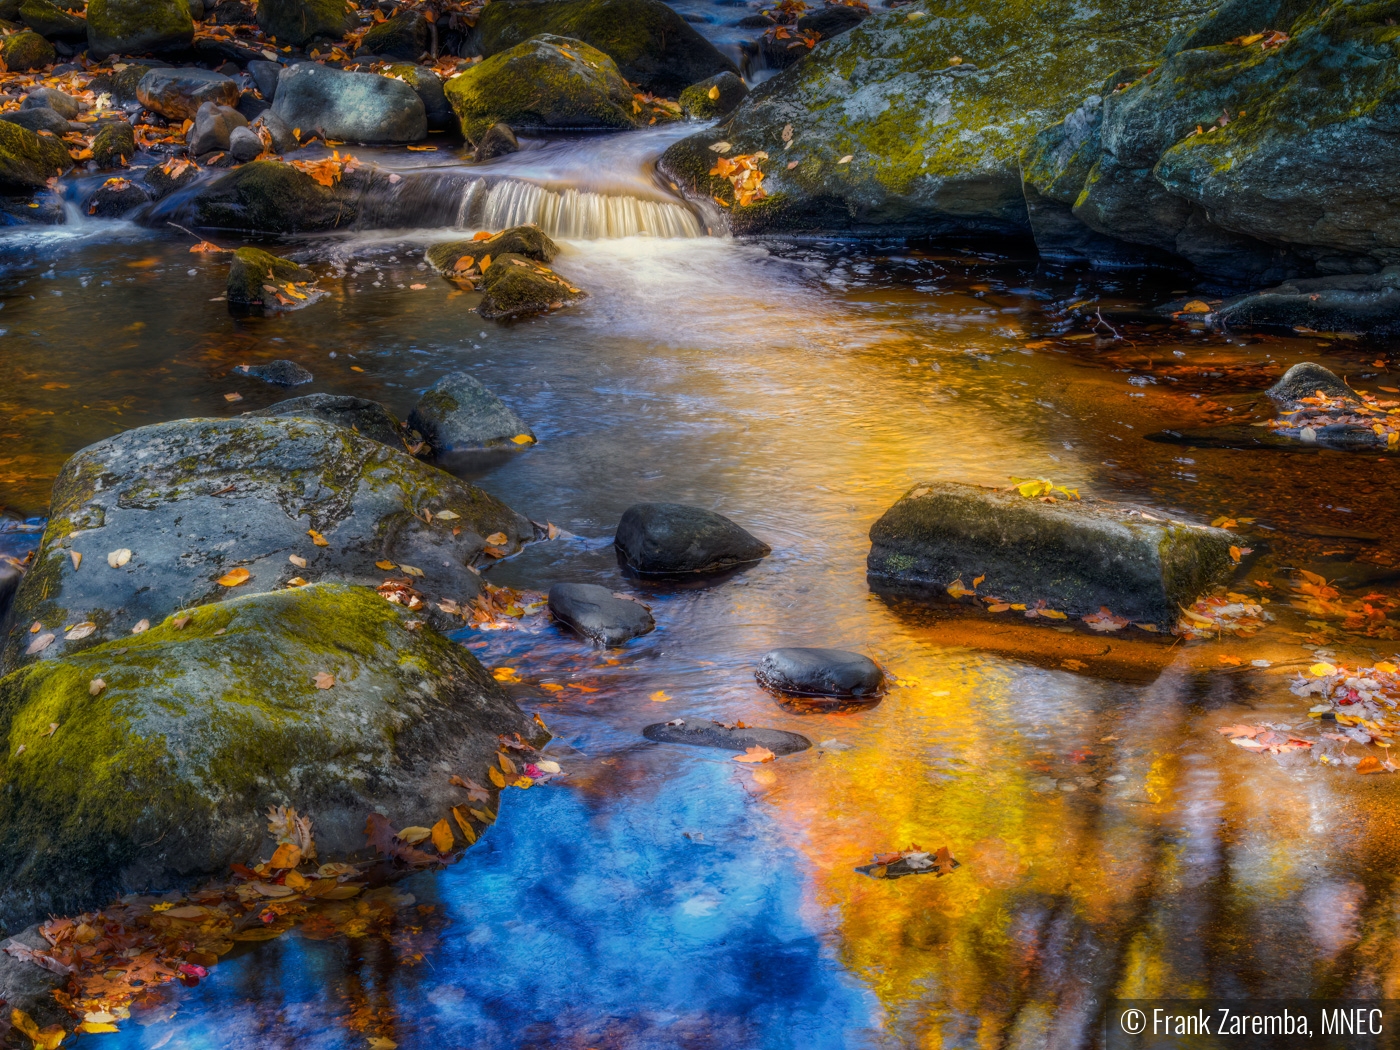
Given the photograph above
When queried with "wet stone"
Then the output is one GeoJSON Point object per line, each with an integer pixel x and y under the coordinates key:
{"type": "Point", "coordinates": [367, 418]}
{"type": "Point", "coordinates": [595, 613]}
{"type": "Point", "coordinates": [820, 672]}
{"type": "Point", "coordinates": [701, 732]}
{"type": "Point", "coordinates": [1305, 379]}
{"type": "Point", "coordinates": [280, 373]}
{"type": "Point", "coordinates": [673, 539]}
{"type": "Point", "coordinates": [458, 413]}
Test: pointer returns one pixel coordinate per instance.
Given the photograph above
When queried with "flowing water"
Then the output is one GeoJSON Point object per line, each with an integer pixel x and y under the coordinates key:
{"type": "Point", "coordinates": [1111, 842]}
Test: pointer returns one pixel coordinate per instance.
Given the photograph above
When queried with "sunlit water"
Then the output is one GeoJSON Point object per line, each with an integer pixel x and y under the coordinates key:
{"type": "Point", "coordinates": [1111, 842]}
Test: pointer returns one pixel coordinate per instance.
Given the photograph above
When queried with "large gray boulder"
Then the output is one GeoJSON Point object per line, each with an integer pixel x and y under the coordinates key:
{"type": "Point", "coordinates": [367, 418]}
{"type": "Point", "coordinates": [1075, 555]}
{"type": "Point", "coordinates": [124, 27]}
{"type": "Point", "coordinates": [172, 744]}
{"type": "Point", "coordinates": [666, 539]}
{"type": "Point", "coordinates": [191, 501]}
{"type": "Point", "coordinates": [349, 107]}
{"type": "Point", "coordinates": [595, 613]}
{"type": "Point", "coordinates": [653, 46]}
{"type": "Point", "coordinates": [177, 94]}
{"type": "Point", "coordinates": [458, 413]}
{"type": "Point", "coordinates": [428, 86]}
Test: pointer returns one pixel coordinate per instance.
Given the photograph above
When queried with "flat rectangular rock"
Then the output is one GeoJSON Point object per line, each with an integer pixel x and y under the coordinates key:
{"type": "Point", "coordinates": [1076, 555]}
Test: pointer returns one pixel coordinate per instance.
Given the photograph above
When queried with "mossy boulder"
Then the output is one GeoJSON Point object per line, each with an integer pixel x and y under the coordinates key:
{"type": "Point", "coordinates": [28, 160]}
{"type": "Point", "coordinates": [516, 287]}
{"type": "Point", "coordinates": [405, 36]}
{"type": "Point", "coordinates": [653, 46]}
{"type": "Point", "coordinates": [166, 772]}
{"type": "Point", "coordinates": [428, 86]}
{"type": "Point", "coordinates": [252, 269]}
{"type": "Point", "coordinates": [116, 197]}
{"type": "Point", "coordinates": [1075, 555]}
{"type": "Point", "coordinates": [547, 83]}
{"type": "Point", "coordinates": [26, 51]}
{"type": "Point", "coordinates": [458, 413]}
{"type": "Point", "coordinates": [273, 197]}
{"type": "Point", "coordinates": [125, 27]}
{"type": "Point", "coordinates": [367, 418]}
{"type": "Point", "coordinates": [298, 22]}
{"type": "Point", "coordinates": [713, 97]}
{"type": "Point", "coordinates": [51, 21]}
{"type": "Point", "coordinates": [934, 103]}
{"type": "Point", "coordinates": [528, 241]}
{"type": "Point", "coordinates": [126, 81]}
{"type": "Point", "coordinates": [195, 499]}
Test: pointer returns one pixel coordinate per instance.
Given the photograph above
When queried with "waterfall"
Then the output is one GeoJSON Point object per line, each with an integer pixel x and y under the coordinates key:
{"type": "Point", "coordinates": [571, 214]}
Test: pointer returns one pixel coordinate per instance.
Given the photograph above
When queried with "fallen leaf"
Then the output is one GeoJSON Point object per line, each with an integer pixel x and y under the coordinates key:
{"type": "Point", "coordinates": [659, 696]}
{"type": "Point", "coordinates": [96, 686]}
{"type": "Point", "coordinates": [53, 728]}
{"type": "Point", "coordinates": [233, 397]}
{"type": "Point", "coordinates": [39, 644]}
{"type": "Point", "coordinates": [119, 557]}
{"type": "Point", "coordinates": [846, 159]}
{"type": "Point", "coordinates": [442, 837]}
{"type": "Point", "coordinates": [475, 792]}
{"type": "Point", "coordinates": [317, 538]}
{"type": "Point", "coordinates": [324, 680]}
{"type": "Point", "coordinates": [96, 1027]}
{"type": "Point", "coordinates": [272, 889]}
{"type": "Point", "coordinates": [43, 1038]}
{"type": "Point", "coordinates": [1231, 661]}
{"type": "Point", "coordinates": [297, 560]}
{"type": "Point", "coordinates": [79, 631]}
{"type": "Point", "coordinates": [721, 147]}
{"type": "Point", "coordinates": [756, 754]}
{"type": "Point", "coordinates": [1322, 670]}
{"type": "Point", "coordinates": [287, 855]}
{"type": "Point", "coordinates": [77, 558]}
{"type": "Point", "coordinates": [411, 570]}
{"type": "Point", "coordinates": [382, 837]}
{"type": "Point", "coordinates": [497, 539]}
{"type": "Point", "coordinates": [522, 439]}
{"type": "Point", "coordinates": [1369, 764]}
{"type": "Point", "coordinates": [385, 565]}
{"type": "Point", "coordinates": [234, 577]}
{"type": "Point", "coordinates": [496, 777]}
{"type": "Point", "coordinates": [447, 515]}
{"type": "Point", "coordinates": [141, 627]}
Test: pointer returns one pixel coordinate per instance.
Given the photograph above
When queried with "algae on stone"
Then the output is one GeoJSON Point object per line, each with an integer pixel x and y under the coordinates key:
{"type": "Point", "coordinates": [516, 287]}
{"type": "Point", "coordinates": [29, 160]}
{"type": "Point", "coordinates": [252, 269]}
{"type": "Point", "coordinates": [166, 773]}
{"type": "Point", "coordinates": [26, 51]}
{"type": "Point", "coordinates": [136, 26]}
{"type": "Point", "coordinates": [298, 22]}
{"type": "Point", "coordinates": [114, 144]}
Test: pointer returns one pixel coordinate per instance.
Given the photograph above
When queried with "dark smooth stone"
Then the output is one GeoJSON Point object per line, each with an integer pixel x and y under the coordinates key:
{"type": "Point", "coordinates": [704, 733]}
{"type": "Point", "coordinates": [671, 538]}
{"type": "Point", "coordinates": [820, 672]}
{"type": "Point", "coordinates": [1305, 379]}
{"type": "Point", "coordinates": [367, 418]}
{"type": "Point", "coordinates": [593, 612]}
{"type": "Point", "coordinates": [280, 373]}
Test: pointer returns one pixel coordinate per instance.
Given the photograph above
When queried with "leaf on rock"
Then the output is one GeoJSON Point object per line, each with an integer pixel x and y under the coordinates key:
{"type": "Point", "coordinates": [119, 557]}
{"type": "Point", "coordinates": [79, 631]}
{"type": "Point", "coordinates": [324, 680]}
{"type": "Point", "coordinates": [77, 558]}
{"type": "Point", "coordinates": [297, 560]}
{"type": "Point", "coordinates": [317, 538]}
{"type": "Point", "coordinates": [462, 816]}
{"type": "Point", "coordinates": [287, 855]}
{"type": "Point", "coordinates": [475, 792]}
{"type": "Point", "coordinates": [234, 577]}
{"type": "Point", "coordinates": [443, 840]}
{"type": "Point", "coordinates": [39, 644]}
{"type": "Point", "coordinates": [413, 834]}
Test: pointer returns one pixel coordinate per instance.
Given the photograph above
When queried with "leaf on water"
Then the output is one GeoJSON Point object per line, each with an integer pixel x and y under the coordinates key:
{"type": "Point", "coordinates": [1235, 731]}
{"type": "Point", "coordinates": [461, 815]}
{"type": "Point", "coordinates": [443, 840]}
{"type": "Point", "coordinates": [381, 1042]}
{"type": "Point", "coordinates": [659, 696]}
{"type": "Point", "coordinates": [39, 644]}
{"type": "Point", "coordinates": [317, 538]}
{"type": "Point", "coordinates": [324, 680]}
{"type": "Point", "coordinates": [495, 775]}
{"type": "Point", "coordinates": [957, 590]}
{"type": "Point", "coordinates": [417, 287]}
{"type": "Point", "coordinates": [1104, 620]}
{"type": "Point", "coordinates": [1231, 661]}
{"type": "Point", "coordinates": [1322, 670]}
{"type": "Point", "coordinates": [297, 560]}
{"type": "Point", "coordinates": [234, 577]}
{"type": "Point", "coordinates": [413, 834]}
{"type": "Point", "coordinates": [272, 889]}
{"type": "Point", "coordinates": [43, 1038]}
{"type": "Point", "coordinates": [523, 439]}
{"type": "Point", "coordinates": [119, 557]}
{"type": "Point", "coordinates": [287, 855]}
{"type": "Point", "coordinates": [756, 754]}
{"type": "Point", "coordinates": [381, 836]}
{"type": "Point", "coordinates": [1369, 764]}
{"type": "Point", "coordinates": [96, 1027]}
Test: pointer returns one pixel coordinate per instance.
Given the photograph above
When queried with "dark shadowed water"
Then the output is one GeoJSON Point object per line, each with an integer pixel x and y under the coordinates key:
{"type": "Point", "coordinates": [1112, 843]}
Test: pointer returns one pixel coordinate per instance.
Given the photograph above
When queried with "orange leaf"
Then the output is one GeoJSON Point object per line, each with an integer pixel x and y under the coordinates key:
{"type": "Point", "coordinates": [234, 577]}
{"type": "Point", "coordinates": [324, 680]}
{"type": "Point", "coordinates": [287, 855]}
{"type": "Point", "coordinates": [442, 836]}
{"type": "Point", "coordinates": [756, 754]}
{"type": "Point", "coordinates": [317, 538]}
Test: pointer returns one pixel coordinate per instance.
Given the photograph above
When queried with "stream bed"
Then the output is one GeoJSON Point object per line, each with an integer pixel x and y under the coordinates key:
{"type": "Point", "coordinates": [1111, 841]}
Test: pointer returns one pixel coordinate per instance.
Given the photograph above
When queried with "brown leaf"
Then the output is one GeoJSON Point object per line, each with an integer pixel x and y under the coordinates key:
{"type": "Point", "coordinates": [475, 792]}
{"type": "Point", "coordinates": [1369, 764]}
{"type": "Point", "coordinates": [317, 538]}
{"type": "Point", "coordinates": [287, 855]}
{"type": "Point", "coordinates": [756, 754]}
{"type": "Point", "coordinates": [381, 836]}
{"type": "Point", "coordinates": [324, 680]}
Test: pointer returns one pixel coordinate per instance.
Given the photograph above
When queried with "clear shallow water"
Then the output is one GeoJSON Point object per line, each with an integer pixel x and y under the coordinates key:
{"type": "Point", "coordinates": [667, 897]}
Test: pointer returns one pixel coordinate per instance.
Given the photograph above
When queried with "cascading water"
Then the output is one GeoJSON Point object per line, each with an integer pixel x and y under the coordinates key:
{"type": "Point", "coordinates": [572, 214]}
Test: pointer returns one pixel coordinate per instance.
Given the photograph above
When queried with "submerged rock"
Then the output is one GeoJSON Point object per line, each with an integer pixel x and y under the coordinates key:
{"type": "Point", "coordinates": [704, 733]}
{"type": "Point", "coordinates": [298, 22]}
{"type": "Point", "coordinates": [458, 413]}
{"type": "Point", "coordinates": [253, 269]}
{"type": "Point", "coordinates": [279, 373]}
{"type": "Point", "coordinates": [821, 672]}
{"type": "Point", "coordinates": [516, 287]}
{"type": "Point", "coordinates": [178, 94]}
{"type": "Point", "coordinates": [1307, 379]}
{"type": "Point", "coordinates": [27, 160]}
{"type": "Point", "coordinates": [547, 83]}
{"type": "Point", "coordinates": [1351, 302]}
{"type": "Point", "coordinates": [165, 772]}
{"type": "Point", "coordinates": [596, 613]}
{"type": "Point", "coordinates": [673, 539]}
{"type": "Point", "coordinates": [713, 97]}
{"type": "Point", "coordinates": [27, 986]}
{"type": "Point", "coordinates": [26, 51]}
{"type": "Point", "coordinates": [367, 418]}
{"type": "Point", "coordinates": [1075, 555]}
{"type": "Point", "coordinates": [114, 145]}
{"type": "Point", "coordinates": [352, 107]}
{"type": "Point", "coordinates": [193, 500]}
{"type": "Point", "coordinates": [528, 241]}
{"type": "Point", "coordinates": [499, 141]}
{"type": "Point", "coordinates": [135, 26]}
{"type": "Point", "coordinates": [653, 46]}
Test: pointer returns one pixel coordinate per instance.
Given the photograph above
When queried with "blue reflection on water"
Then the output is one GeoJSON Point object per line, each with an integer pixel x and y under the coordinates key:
{"type": "Point", "coordinates": [578, 921]}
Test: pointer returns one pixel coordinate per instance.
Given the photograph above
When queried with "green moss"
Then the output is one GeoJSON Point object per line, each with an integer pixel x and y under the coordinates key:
{"type": "Point", "coordinates": [515, 287]}
{"type": "Point", "coordinates": [29, 160]}
{"type": "Point", "coordinates": [545, 83]}
{"type": "Point", "coordinates": [27, 51]}
{"type": "Point", "coordinates": [51, 21]}
{"type": "Point", "coordinates": [298, 22]}
{"type": "Point", "coordinates": [270, 196]}
{"type": "Point", "coordinates": [136, 26]}
{"type": "Point", "coordinates": [403, 36]}
{"type": "Point", "coordinates": [113, 145]}
{"type": "Point", "coordinates": [528, 241]}
{"type": "Point", "coordinates": [253, 268]}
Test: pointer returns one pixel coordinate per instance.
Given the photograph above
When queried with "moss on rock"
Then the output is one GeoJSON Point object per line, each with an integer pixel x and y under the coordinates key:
{"type": "Point", "coordinates": [166, 771]}
{"type": "Point", "coordinates": [270, 196]}
{"type": "Point", "coordinates": [528, 241]}
{"type": "Point", "coordinates": [26, 51]}
{"type": "Point", "coordinates": [114, 144]}
{"type": "Point", "coordinates": [713, 97]}
{"type": "Point", "coordinates": [298, 22]}
{"type": "Point", "coordinates": [252, 269]}
{"type": "Point", "coordinates": [29, 160]}
{"type": "Point", "coordinates": [51, 21]}
{"type": "Point", "coordinates": [546, 83]}
{"type": "Point", "coordinates": [652, 45]}
{"type": "Point", "coordinates": [516, 287]}
{"type": "Point", "coordinates": [136, 26]}
{"type": "Point", "coordinates": [405, 36]}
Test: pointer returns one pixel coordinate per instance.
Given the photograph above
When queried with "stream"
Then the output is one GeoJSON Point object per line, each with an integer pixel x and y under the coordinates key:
{"type": "Point", "coordinates": [1111, 841]}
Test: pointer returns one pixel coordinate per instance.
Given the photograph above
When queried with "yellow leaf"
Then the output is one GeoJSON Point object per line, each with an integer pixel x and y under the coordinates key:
{"type": "Point", "coordinates": [713, 93]}
{"type": "Point", "coordinates": [77, 558]}
{"type": "Point", "coordinates": [977, 582]}
{"type": "Point", "coordinates": [442, 837]}
{"type": "Point", "coordinates": [957, 590]}
{"type": "Point", "coordinates": [1322, 670]}
{"type": "Point", "coordinates": [1385, 667]}
{"type": "Point", "coordinates": [296, 581]}
{"type": "Point", "coordinates": [1195, 306]}
{"type": "Point", "coordinates": [1053, 614]}
{"type": "Point", "coordinates": [385, 565]}
{"type": "Point", "coordinates": [459, 814]}
{"type": "Point", "coordinates": [659, 696]}
{"type": "Point", "coordinates": [411, 570]}
{"type": "Point", "coordinates": [505, 674]}
{"type": "Point", "coordinates": [317, 538]}
{"type": "Point", "coordinates": [96, 1027]}
{"type": "Point", "coordinates": [287, 855]}
{"type": "Point", "coordinates": [497, 539]}
{"type": "Point", "coordinates": [234, 577]}
{"type": "Point", "coordinates": [523, 439]}
{"type": "Point", "coordinates": [507, 766]}
{"type": "Point", "coordinates": [43, 1038]}
{"type": "Point", "coordinates": [495, 775]}
{"type": "Point", "coordinates": [1235, 553]}
{"type": "Point", "coordinates": [414, 835]}
{"type": "Point", "coordinates": [447, 515]}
